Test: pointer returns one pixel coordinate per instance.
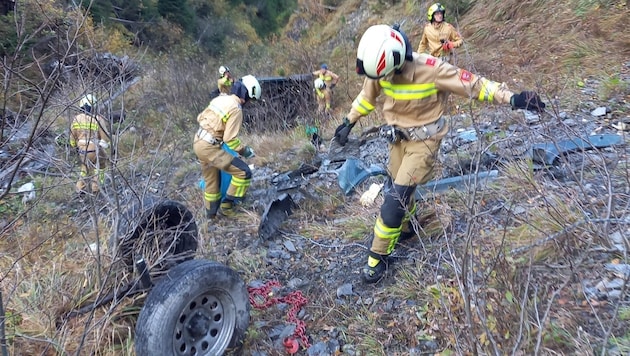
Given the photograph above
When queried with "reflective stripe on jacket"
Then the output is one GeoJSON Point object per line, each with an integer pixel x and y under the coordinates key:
{"type": "Point", "coordinates": [416, 96]}
{"type": "Point", "coordinates": [86, 128]}
{"type": "Point", "coordinates": [223, 119]}
{"type": "Point", "coordinates": [329, 78]}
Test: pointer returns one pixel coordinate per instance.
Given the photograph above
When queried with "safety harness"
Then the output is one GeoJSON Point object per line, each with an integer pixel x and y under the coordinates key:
{"type": "Point", "coordinates": [394, 134]}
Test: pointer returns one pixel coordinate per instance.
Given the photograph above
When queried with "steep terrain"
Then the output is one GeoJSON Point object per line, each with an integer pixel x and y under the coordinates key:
{"type": "Point", "coordinates": [525, 264]}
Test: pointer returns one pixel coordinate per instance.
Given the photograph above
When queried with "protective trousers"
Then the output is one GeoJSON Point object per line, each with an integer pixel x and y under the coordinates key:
{"type": "Point", "coordinates": [410, 163]}
{"type": "Point", "coordinates": [93, 160]}
{"type": "Point", "coordinates": [323, 100]}
{"type": "Point", "coordinates": [213, 160]}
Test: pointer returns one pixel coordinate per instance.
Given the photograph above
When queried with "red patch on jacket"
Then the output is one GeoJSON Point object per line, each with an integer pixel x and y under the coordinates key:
{"type": "Point", "coordinates": [466, 76]}
{"type": "Point", "coordinates": [431, 61]}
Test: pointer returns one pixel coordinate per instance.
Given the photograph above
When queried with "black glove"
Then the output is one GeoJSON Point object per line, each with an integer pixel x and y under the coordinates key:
{"type": "Point", "coordinates": [528, 100]}
{"type": "Point", "coordinates": [342, 131]}
{"type": "Point", "coordinates": [332, 86]}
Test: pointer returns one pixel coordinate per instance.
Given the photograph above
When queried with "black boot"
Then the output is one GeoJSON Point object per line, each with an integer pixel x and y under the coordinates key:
{"type": "Point", "coordinates": [375, 268]}
{"type": "Point", "coordinates": [211, 213]}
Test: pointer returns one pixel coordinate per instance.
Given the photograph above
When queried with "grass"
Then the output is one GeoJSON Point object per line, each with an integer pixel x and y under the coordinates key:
{"type": "Point", "coordinates": [462, 278]}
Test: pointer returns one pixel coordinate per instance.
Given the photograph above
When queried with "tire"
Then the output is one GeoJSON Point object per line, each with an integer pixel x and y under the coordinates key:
{"type": "Point", "coordinates": [163, 232]}
{"type": "Point", "coordinates": [199, 307]}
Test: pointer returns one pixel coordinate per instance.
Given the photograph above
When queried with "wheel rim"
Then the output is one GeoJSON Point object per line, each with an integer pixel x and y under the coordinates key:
{"type": "Point", "coordinates": [206, 325]}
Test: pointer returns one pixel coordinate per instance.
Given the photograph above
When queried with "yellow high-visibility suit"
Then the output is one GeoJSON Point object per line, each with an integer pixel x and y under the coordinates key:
{"type": "Point", "coordinates": [220, 124]}
{"type": "Point", "coordinates": [330, 79]}
{"type": "Point", "coordinates": [89, 135]}
{"type": "Point", "coordinates": [415, 99]}
{"type": "Point", "coordinates": [433, 36]}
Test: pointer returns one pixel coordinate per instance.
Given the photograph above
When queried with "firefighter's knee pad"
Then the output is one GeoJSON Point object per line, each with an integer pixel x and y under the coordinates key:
{"type": "Point", "coordinates": [396, 199]}
{"type": "Point", "coordinates": [240, 164]}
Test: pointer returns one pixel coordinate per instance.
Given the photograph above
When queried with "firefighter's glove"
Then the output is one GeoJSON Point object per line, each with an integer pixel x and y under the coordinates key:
{"type": "Point", "coordinates": [333, 85]}
{"type": "Point", "coordinates": [248, 152]}
{"type": "Point", "coordinates": [528, 100]}
{"type": "Point", "coordinates": [391, 134]}
{"type": "Point", "coordinates": [342, 131]}
{"type": "Point", "coordinates": [104, 144]}
{"type": "Point", "coordinates": [447, 45]}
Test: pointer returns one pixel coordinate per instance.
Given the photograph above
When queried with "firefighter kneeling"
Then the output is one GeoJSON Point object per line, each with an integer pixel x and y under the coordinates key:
{"type": "Point", "coordinates": [219, 124]}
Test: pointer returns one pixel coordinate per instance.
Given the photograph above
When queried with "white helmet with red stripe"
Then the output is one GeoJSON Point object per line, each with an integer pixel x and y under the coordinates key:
{"type": "Point", "coordinates": [381, 51]}
{"type": "Point", "coordinates": [319, 83]}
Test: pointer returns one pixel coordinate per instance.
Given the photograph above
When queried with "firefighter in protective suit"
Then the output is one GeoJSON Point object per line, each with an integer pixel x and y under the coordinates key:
{"type": "Point", "coordinates": [89, 135]}
{"type": "Point", "coordinates": [330, 80]}
{"type": "Point", "coordinates": [439, 37]}
{"type": "Point", "coordinates": [322, 95]}
{"type": "Point", "coordinates": [225, 80]}
{"type": "Point", "coordinates": [415, 87]}
{"type": "Point", "coordinates": [219, 124]}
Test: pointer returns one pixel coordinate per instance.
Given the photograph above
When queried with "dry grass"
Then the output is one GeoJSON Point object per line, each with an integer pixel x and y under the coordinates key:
{"type": "Point", "coordinates": [530, 302]}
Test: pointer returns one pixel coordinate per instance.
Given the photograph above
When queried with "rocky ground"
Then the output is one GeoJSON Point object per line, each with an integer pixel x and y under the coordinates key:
{"type": "Point", "coordinates": [318, 250]}
{"type": "Point", "coordinates": [323, 262]}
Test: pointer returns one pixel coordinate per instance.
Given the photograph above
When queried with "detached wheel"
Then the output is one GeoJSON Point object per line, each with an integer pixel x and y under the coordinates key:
{"type": "Point", "coordinates": [199, 308]}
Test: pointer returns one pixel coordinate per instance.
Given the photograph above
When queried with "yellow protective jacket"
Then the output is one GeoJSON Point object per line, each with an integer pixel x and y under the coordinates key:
{"type": "Point", "coordinates": [87, 130]}
{"type": "Point", "coordinates": [327, 76]}
{"type": "Point", "coordinates": [433, 33]}
{"type": "Point", "coordinates": [416, 96]}
{"type": "Point", "coordinates": [225, 84]}
{"type": "Point", "coordinates": [223, 119]}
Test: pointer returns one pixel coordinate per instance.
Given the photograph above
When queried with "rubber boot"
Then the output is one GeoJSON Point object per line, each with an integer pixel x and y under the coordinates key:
{"type": "Point", "coordinates": [375, 268]}
{"type": "Point", "coordinates": [211, 212]}
{"type": "Point", "coordinates": [227, 208]}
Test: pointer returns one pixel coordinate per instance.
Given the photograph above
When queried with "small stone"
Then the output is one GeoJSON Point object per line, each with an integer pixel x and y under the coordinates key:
{"type": "Point", "coordinates": [600, 111]}
{"type": "Point", "coordinates": [290, 246]}
{"type": "Point", "coordinates": [344, 290]}
{"type": "Point", "coordinates": [319, 349]}
{"type": "Point", "coordinates": [295, 283]}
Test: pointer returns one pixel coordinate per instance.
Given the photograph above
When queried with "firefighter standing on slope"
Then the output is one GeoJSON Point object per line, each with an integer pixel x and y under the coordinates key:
{"type": "Point", "coordinates": [219, 124]}
{"type": "Point", "coordinates": [439, 37]}
{"type": "Point", "coordinates": [330, 80]}
{"type": "Point", "coordinates": [322, 95]}
{"type": "Point", "coordinates": [415, 87]}
{"type": "Point", "coordinates": [225, 80]}
{"type": "Point", "coordinates": [88, 134]}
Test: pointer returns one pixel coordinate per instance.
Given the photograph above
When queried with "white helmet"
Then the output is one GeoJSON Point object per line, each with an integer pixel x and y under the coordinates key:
{"type": "Point", "coordinates": [223, 69]}
{"type": "Point", "coordinates": [381, 51]}
{"type": "Point", "coordinates": [88, 99]}
{"type": "Point", "coordinates": [319, 83]}
{"type": "Point", "coordinates": [254, 91]}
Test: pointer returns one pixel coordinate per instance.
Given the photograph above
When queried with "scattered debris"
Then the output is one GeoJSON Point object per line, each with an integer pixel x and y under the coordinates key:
{"type": "Point", "coordinates": [29, 192]}
{"type": "Point", "coordinates": [368, 197]}
{"type": "Point", "coordinates": [549, 153]}
{"type": "Point", "coordinates": [353, 172]}
{"type": "Point", "coordinates": [600, 111]}
{"type": "Point", "coordinates": [460, 182]}
{"type": "Point", "coordinates": [621, 126]}
{"type": "Point", "coordinates": [275, 214]}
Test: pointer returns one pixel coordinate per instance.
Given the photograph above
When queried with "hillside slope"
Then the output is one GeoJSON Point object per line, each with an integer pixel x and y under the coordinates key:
{"type": "Point", "coordinates": [524, 265]}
